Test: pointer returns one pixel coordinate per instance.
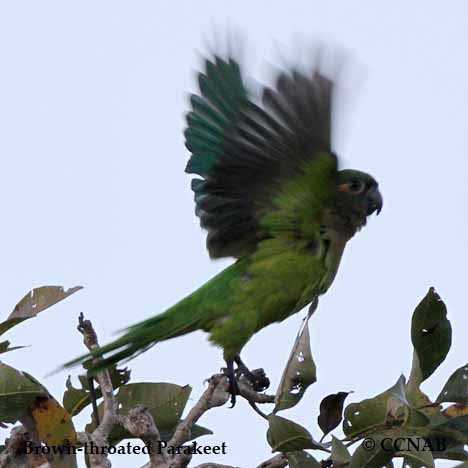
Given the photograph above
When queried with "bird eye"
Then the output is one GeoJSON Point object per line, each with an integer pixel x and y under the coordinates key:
{"type": "Point", "coordinates": [356, 186]}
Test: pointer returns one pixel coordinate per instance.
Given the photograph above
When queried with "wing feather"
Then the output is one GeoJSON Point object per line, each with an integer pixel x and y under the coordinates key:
{"type": "Point", "coordinates": [255, 159]}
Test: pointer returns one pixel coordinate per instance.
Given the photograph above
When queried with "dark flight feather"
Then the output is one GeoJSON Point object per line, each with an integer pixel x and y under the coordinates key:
{"type": "Point", "coordinates": [244, 151]}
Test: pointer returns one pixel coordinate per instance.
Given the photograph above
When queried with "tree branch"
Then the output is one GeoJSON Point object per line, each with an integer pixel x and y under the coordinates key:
{"type": "Point", "coordinates": [215, 395]}
{"type": "Point", "coordinates": [246, 391]}
{"type": "Point", "coordinates": [213, 465]}
{"type": "Point", "coordinates": [101, 433]}
{"type": "Point", "coordinates": [14, 457]}
{"type": "Point", "coordinates": [140, 423]}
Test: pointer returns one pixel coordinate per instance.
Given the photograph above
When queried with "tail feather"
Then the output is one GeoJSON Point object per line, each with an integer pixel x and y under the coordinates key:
{"type": "Point", "coordinates": [140, 337]}
{"type": "Point", "coordinates": [194, 312]}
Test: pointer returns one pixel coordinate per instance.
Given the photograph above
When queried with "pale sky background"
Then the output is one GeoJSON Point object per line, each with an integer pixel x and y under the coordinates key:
{"type": "Point", "coordinates": [93, 189]}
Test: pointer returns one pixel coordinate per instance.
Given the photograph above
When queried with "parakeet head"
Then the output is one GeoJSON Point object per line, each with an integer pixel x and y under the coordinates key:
{"type": "Point", "coordinates": [359, 191]}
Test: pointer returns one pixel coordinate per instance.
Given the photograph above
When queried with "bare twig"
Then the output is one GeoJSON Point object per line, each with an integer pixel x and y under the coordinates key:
{"type": "Point", "coordinates": [101, 433]}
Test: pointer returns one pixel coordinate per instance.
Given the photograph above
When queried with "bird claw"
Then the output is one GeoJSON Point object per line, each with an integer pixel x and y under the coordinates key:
{"type": "Point", "coordinates": [257, 378]}
{"type": "Point", "coordinates": [233, 396]}
{"type": "Point", "coordinates": [233, 386]}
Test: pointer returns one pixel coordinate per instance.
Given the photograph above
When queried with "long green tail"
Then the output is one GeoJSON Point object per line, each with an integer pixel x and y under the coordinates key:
{"type": "Point", "coordinates": [143, 335]}
{"type": "Point", "coordinates": [190, 314]}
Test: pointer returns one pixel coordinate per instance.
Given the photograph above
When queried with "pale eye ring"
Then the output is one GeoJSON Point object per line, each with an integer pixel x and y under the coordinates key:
{"type": "Point", "coordinates": [356, 186]}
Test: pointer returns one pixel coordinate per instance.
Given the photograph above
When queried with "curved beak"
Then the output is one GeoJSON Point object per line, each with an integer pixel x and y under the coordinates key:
{"type": "Point", "coordinates": [375, 201]}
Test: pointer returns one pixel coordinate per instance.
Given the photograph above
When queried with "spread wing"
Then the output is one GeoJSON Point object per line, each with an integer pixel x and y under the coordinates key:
{"type": "Point", "coordinates": [266, 167]}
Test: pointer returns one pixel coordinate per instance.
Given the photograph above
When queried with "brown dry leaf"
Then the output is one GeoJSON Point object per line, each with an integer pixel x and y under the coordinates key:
{"type": "Point", "coordinates": [331, 411]}
{"type": "Point", "coordinates": [53, 422]}
{"type": "Point", "coordinates": [458, 409]}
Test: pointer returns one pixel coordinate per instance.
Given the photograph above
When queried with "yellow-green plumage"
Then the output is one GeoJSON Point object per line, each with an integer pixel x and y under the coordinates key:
{"type": "Point", "coordinates": [281, 278]}
{"type": "Point", "coordinates": [270, 195]}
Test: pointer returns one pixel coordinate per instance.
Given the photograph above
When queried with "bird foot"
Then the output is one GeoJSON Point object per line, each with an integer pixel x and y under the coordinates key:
{"type": "Point", "coordinates": [257, 378]}
{"type": "Point", "coordinates": [233, 386]}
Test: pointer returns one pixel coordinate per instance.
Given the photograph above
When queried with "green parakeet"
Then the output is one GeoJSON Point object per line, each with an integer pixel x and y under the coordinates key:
{"type": "Point", "coordinates": [270, 194]}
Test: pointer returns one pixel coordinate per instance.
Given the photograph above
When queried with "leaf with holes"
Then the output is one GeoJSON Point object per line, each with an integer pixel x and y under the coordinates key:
{"type": "Point", "coordinates": [52, 422]}
{"type": "Point", "coordinates": [34, 302]}
{"type": "Point", "coordinates": [456, 388]}
{"type": "Point", "coordinates": [300, 372]}
{"type": "Point", "coordinates": [431, 335]}
{"type": "Point", "coordinates": [387, 408]}
{"type": "Point", "coordinates": [331, 411]}
{"type": "Point", "coordinates": [55, 429]}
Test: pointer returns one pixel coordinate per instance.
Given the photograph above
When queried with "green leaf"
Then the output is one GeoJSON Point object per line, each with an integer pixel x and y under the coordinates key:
{"type": "Point", "coordinates": [447, 437]}
{"type": "Point", "coordinates": [454, 451]}
{"type": "Point", "coordinates": [416, 418]}
{"type": "Point", "coordinates": [34, 302]}
{"type": "Point", "coordinates": [415, 459]}
{"type": "Point", "coordinates": [302, 460]}
{"type": "Point", "coordinates": [287, 436]}
{"type": "Point", "coordinates": [456, 427]}
{"type": "Point", "coordinates": [299, 373]}
{"type": "Point", "coordinates": [431, 335]}
{"type": "Point", "coordinates": [331, 411]}
{"type": "Point", "coordinates": [398, 391]}
{"type": "Point", "coordinates": [165, 401]}
{"type": "Point", "coordinates": [385, 409]}
{"type": "Point", "coordinates": [340, 454]}
{"type": "Point", "coordinates": [197, 431]}
{"type": "Point", "coordinates": [76, 399]}
{"type": "Point", "coordinates": [420, 454]}
{"type": "Point", "coordinates": [17, 393]}
{"type": "Point", "coordinates": [456, 388]}
{"type": "Point", "coordinates": [373, 456]}
{"type": "Point", "coordinates": [365, 415]}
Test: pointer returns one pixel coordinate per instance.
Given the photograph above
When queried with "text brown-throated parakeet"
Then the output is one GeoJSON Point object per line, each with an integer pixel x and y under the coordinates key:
{"type": "Point", "coordinates": [270, 194]}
